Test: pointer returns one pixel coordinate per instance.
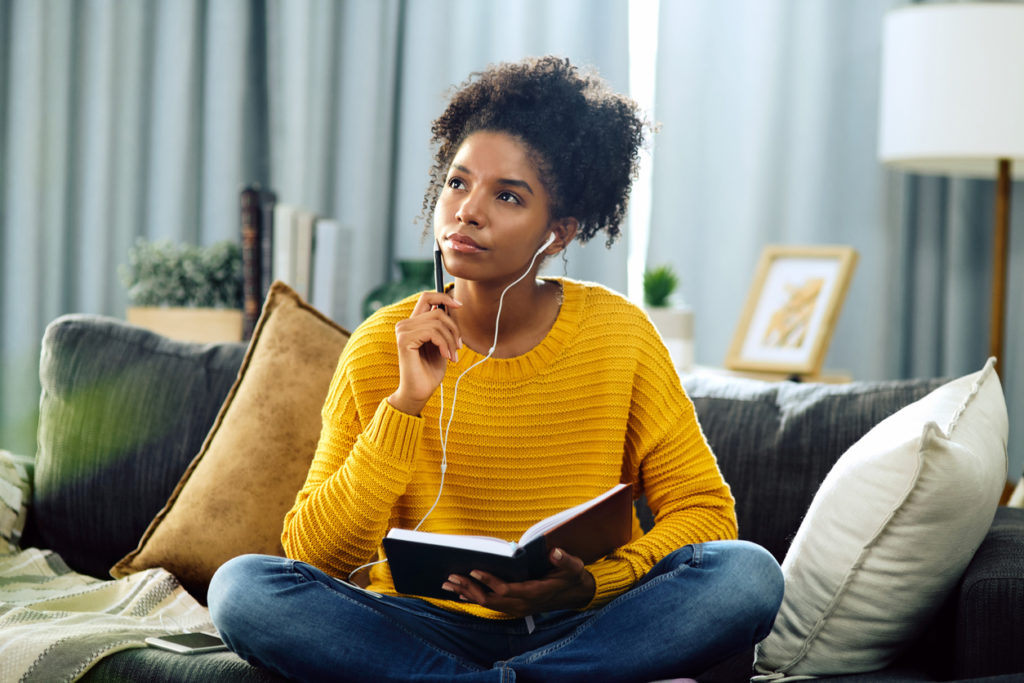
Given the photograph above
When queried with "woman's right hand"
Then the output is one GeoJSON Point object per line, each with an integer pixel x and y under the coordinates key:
{"type": "Point", "coordinates": [427, 340]}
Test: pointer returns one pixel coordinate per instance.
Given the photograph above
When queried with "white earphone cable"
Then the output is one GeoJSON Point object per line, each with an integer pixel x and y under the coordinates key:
{"type": "Point", "coordinates": [443, 432]}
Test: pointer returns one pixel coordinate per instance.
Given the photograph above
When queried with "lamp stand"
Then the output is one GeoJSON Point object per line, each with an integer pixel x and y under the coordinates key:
{"type": "Point", "coordinates": [1000, 249]}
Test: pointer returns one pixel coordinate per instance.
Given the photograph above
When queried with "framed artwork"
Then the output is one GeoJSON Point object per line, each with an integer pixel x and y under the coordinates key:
{"type": "Point", "coordinates": [791, 310]}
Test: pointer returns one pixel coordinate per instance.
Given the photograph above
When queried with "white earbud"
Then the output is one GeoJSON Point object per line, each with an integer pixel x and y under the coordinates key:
{"type": "Point", "coordinates": [550, 240]}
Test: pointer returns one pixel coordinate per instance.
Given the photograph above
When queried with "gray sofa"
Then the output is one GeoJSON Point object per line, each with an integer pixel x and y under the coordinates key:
{"type": "Point", "coordinates": [100, 477]}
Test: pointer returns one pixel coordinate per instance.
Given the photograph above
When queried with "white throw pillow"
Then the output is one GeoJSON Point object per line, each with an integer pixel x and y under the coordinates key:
{"type": "Point", "coordinates": [890, 532]}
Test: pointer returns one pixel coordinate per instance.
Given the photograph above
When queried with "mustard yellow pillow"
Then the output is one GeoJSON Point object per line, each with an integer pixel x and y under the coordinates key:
{"type": "Point", "coordinates": [233, 497]}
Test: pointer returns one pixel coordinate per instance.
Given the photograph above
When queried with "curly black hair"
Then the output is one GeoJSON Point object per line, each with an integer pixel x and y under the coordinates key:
{"type": "Point", "coordinates": [584, 139]}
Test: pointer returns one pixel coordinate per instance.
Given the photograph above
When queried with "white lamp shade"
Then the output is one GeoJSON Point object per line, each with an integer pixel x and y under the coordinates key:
{"type": "Point", "coordinates": [952, 98]}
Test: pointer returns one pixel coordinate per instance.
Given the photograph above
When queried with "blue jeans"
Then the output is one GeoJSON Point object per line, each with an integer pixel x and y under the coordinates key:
{"type": "Point", "coordinates": [700, 605]}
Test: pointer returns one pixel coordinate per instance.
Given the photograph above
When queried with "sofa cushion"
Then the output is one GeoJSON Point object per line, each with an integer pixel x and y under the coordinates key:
{"type": "Point", "coordinates": [890, 532]}
{"type": "Point", "coordinates": [990, 602]}
{"type": "Point", "coordinates": [776, 441]}
{"type": "Point", "coordinates": [235, 493]}
{"type": "Point", "coordinates": [151, 664]}
{"type": "Point", "coordinates": [121, 413]}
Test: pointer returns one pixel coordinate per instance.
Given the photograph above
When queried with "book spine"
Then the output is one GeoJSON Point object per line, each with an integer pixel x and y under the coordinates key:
{"type": "Point", "coordinates": [329, 289]}
{"type": "Point", "coordinates": [252, 300]}
{"type": "Point", "coordinates": [267, 201]}
{"type": "Point", "coordinates": [302, 255]}
{"type": "Point", "coordinates": [283, 250]}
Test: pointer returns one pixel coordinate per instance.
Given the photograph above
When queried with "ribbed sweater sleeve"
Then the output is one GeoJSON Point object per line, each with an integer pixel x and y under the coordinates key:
{"type": "Point", "coordinates": [597, 402]}
{"type": "Point", "coordinates": [668, 457]}
{"type": "Point", "coordinates": [362, 465]}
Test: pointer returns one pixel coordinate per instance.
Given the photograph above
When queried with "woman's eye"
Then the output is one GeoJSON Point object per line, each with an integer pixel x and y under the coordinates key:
{"type": "Point", "coordinates": [506, 196]}
{"type": "Point", "coordinates": [456, 183]}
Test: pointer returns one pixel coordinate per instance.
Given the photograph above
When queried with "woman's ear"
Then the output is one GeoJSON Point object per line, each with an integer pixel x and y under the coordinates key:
{"type": "Point", "coordinates": [564, 230]}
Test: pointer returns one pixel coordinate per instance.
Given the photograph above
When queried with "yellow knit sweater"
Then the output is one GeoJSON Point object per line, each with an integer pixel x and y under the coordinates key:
{"type": "Point", "coordinates": [595, 403]}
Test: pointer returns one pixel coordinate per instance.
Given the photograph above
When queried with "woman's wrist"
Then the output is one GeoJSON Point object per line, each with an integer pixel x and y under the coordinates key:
{"type": "Point", "coordinates": [405, 405]}
{"type": "Point", "coordinates": [584, 593]}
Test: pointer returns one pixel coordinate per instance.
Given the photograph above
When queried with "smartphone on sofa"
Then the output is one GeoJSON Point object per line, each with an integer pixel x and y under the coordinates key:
{"type": "Point", "coordinates": [187, 643]}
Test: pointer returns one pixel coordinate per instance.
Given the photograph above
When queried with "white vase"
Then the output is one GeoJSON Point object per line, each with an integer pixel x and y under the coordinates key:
{"type": "Point", "coordinates": [675, 325]}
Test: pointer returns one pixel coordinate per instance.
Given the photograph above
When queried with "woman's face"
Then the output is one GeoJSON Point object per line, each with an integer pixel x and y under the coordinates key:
{"type": "Point", "coordinates": [493, 212]}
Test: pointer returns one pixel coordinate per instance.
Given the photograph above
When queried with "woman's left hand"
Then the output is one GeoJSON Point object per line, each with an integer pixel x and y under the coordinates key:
{"type": "Point", "coordinates": [568, 586]}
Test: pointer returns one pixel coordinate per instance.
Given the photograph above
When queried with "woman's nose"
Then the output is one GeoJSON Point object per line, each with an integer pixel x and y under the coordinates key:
{"type": "Point", "coordinates": [470, 211]}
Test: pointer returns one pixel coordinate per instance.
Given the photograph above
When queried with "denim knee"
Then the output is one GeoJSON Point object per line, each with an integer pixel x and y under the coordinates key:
{"type": "Point", "coordinates": [759, 592]}
{"type": "Point", "coordinates": [230, 593]}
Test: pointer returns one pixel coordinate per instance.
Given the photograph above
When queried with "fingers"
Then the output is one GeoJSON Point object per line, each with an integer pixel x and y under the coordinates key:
{"type": "Point", "coordinates": [496, 586]}
{"type": "Point", "coordinates": [431, 300]}
{"type": "Point", "coordinates": [427, 332]}
{"type": "Point", "coordinates": [565, 561]}
{"type": "Point", "coordinates": [433, 329]}
{"type": "Point", "coordinates": [489, 591]}
{"type": "Point", "coordinates": [468, 590]}
{"type": "Point", "coordinates": [425, 341]}
{"type": "Point", "coordinates": [428, 324]}
{"type": "Point", "coordinates": [567, 586]}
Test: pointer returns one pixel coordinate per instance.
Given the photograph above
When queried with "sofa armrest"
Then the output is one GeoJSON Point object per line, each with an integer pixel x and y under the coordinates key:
{"type": "Point", "coordinates": [990, 609]}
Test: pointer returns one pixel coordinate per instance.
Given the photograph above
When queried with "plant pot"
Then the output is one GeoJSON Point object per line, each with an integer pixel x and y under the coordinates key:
{"type": "Point", "coordinates": [204, 325]}
{"type": "Point", "coordinates": [675, 325]}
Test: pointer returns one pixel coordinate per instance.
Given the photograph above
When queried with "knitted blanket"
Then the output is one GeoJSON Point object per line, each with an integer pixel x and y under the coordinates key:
{"type": "Point", "coordinates": [55, 624]}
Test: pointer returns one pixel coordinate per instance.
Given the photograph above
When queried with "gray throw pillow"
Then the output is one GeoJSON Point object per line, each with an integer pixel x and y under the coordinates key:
{"type": "Point", "coordinates": [776, 441]}
{"type": "Point", "coordinates": [122, 413]}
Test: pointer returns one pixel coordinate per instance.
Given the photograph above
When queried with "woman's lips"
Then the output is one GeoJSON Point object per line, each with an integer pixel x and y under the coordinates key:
{"type": "Point", "coordinates": [461, 243]}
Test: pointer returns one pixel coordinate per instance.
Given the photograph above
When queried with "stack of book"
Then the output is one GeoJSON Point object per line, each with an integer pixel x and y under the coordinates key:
{"type": "Point", "coordinates": [307, 252]}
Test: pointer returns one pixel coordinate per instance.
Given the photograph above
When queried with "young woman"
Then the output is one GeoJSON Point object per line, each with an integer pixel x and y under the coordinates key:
{"type": "Point", "coordinates": [492, 405]}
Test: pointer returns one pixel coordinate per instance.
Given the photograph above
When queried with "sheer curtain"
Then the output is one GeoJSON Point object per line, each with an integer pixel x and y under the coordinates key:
{"type": "Point", "coordinates": [332, 68]}
{"type": "Point", "coordinates": [355, 86]}
{"type": "Point", "coordinates": [126, 118]}
{"type": "Point", "coordinates": [444, 41]}
{"type": "Point", "coordinates": [121, 119]}
{"type": "Point", "coordinates": [769, 113]}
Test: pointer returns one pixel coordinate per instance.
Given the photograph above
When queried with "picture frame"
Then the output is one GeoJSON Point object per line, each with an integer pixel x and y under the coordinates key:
{"type": "Point", "coordinates": [791, 310]}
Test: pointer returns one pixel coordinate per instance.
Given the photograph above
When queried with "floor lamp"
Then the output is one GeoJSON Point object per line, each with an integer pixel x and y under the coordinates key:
{"type": "Point", "coordinates": [952, 103]}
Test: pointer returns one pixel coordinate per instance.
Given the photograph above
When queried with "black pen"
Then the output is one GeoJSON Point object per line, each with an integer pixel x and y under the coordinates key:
{"type": "Point", "coordinates": [438, 272]}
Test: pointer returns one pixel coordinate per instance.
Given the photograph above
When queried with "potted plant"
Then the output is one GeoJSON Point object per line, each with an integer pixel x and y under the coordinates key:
{"type": "Point", "coordinates": [673, 321]}
{"type": "Point", "coordinates": [416, 276]}
{"type": "Point", "coordinates": [184, 291]}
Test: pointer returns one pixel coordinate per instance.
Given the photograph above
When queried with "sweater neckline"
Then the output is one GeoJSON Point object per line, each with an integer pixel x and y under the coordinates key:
{"type": "Point", "coordinates": [540, 356]}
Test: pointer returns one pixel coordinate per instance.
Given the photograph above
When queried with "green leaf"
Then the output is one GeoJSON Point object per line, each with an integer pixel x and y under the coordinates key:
{"type": "Point", "coordinates": [168, 274]}
{"type": "Point", "coordinates": [659, 283]}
